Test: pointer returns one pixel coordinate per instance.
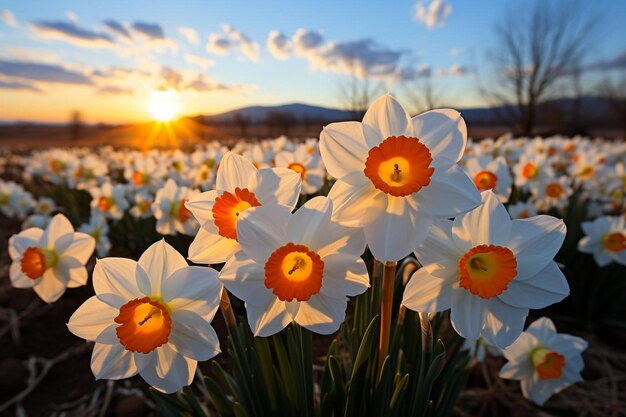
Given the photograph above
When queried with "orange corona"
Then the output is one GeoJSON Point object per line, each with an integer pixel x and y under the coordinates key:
{"type": "Point", "coordinates": [227, 208]}
{"type": "Point", "coordinates": [399, 166]}
{"type": "Point", "coordinates": [486, 270]}
{"type": "Point", "coordinates": [33, 263]}
{"type": "Point", "coordinates": [554, 190]}
{"type": "Point", "coordinates": [294, 272]}
{"type": "Point", "coordinates": [299, 168]}
{"type": "Point", "coordinates": [145, 324]}
{"type": "Point", "coordinates": [485, 180]}
{"type": "Point", "coordinates": [547, 363]}
{"type": "Point", "coordinates": [614, 242]}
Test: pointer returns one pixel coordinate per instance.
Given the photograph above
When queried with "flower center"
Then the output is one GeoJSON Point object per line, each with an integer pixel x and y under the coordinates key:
{"type": "Point", "coordinates": [614, 242]}
{"type": "Point", "coordinates": [294, 271]}
{"type": "Point", "coordinates": [547, 363]}
{"type": "Point", "coordinates": [227, 208]}
{"type": "Point", "coordinates": [486, 270]}
{"type": "Point", "coordinates": [587, 171]}
{"type": "Point", "coordinates": [145, 324]}
{"type": "Point", "coordinates": [485, 180]}
{"type": "Point", "coordinates": [299, 168]}
{"type": "Point", "coordinates": [179, 210]}
{"type": "Point", "coordinates": [105, 203]}
{"type": "Point", "coordinates": [140, 178]}
{"type": "Point", "coordinates": [399, 166]}
{"type": "Point", "coordinates": [35, 261]}
{"type": "Point", "coordinates": [554, 190]}
{"type": "Point", "coordinates": [530, 171]}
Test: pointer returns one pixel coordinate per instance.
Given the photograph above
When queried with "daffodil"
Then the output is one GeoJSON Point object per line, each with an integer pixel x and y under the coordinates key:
{"type": "Point", "coordinates": [150, 317]}
{"type": "Point", "coordinates": [239, 186]}
{"type": "Point", "coordinates": [109, 200]}
{"type": "Point", "coordinates": [489, 271]}
{"type": "Point", "coordinates": [170, 212]}
{"type": "Point", "coordinates": [305, 163]}
{"type": "Point", "coordinates": [295, 267]}
{"type": "Point", "coordinates": [50, 260]}
{"type": "Point", "coordinates": [605, 239]}
{"type": "Point", "coordinates": [396, 174]}
{"type": "Point", "coordinates": [490, 174]}
{"type": "Point", "coordinates": [544, 361]}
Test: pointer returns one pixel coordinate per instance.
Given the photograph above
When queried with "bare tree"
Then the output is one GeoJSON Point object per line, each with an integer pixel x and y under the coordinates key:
{"type": "Point", "coordinates": [356, 93]}
{"type": "Point", "coordinates": [422, 93]}
{"type": "Point", "coordinates": [536, 46]}
{"type": "Point", "coordinates": [76, 125]}
{"type": "Point", "coordinates": [243, 122]}
{"type": "Point", "coordinates": [614, 92]}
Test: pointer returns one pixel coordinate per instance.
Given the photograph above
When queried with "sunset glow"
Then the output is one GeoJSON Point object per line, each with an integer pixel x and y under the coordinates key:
{"type": "Point", "coordinates": [164, 106]}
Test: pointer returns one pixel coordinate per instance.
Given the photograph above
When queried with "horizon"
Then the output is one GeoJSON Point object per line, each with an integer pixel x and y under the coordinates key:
{"type": "Point", "coordinates": [227, 59]}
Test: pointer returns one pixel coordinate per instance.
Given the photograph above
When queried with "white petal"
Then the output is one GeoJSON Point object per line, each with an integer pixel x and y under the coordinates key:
{"type": "Point", "coordinates": [18, 278]}
{"type": "Point", "coordinates": [344, 275]}
{"type": "Point", "coordinates": [24, 240]}
{"type": "Point", "coordinates": [503, 323]}
{"type": "Point", "coordinates": [517, 370]}
{"type": "Point", "coordinates": [193, 288]}
{"type": "Point", "coordinates": [547, 287]}
{"type": "Point", "coordinates": [535, 241]}
{"type": "Point", "coordinates": [489, 223]}
{"type": "Point", "coordinates": [343, 148]}
{"type": "Point", "coordinates": [245, 278]}
{"type": "Point", "coordinates": [72, 270]}
{"type": "Point", "coordinates": [276, 186]}
{"type": "Point", "coordinates": [439, 246]}
{"type": "Point", "coordinates": [51, 286]}
{"type": "Point", "coordinates": [209, 247]}
{"type": "Point", "coordinates": [118, 276]}
{"type": "Point", "coordinates": [426, 292]}
{"type": "Point", "coordinates": [193, 336]}
{"type": "Point", "coordinates": [112, 362]}
{"type": "Point", "coordinates": [386, 118]}
{"type": "Point", "coordinates": [542, 328]}
{"type": "Point", "coordinates": [201, 206]}
{"type": "Point", "coordinates": [467, 314]}
{"type": "Point", "coordinates": [397, 231]}
{"type": "Point", "coordinates": [309, 221]}
{"type": "Point", "coordinates": [356, 205]}
{"type": "Point", "coordinates": [336, 238]}
{"type": "Point", "coordinates": [91, 318]}
{"type": "Point", "coordinates": [520, 349]}
{"type": "Point", "coordinates": [449, 193]}
{"type": "Point", "coordinates": [81, 248]}
{"type": "Point", "coordinates": [160, 261]}
{"type": "Point", "coordinates": [58, 227]}
{"type": "Point", "coordinates": [443, 131]}
{"type": "Point", "coordinates": [234, 171]}
{"type": "Point", "coordinates": [322, 314]}
{"type": "Point", "coordinates": [268, 319]}
{"type": "Point", "coordinates": [168, 371]}
{"type": "Point", "coordinates": [261, 230]}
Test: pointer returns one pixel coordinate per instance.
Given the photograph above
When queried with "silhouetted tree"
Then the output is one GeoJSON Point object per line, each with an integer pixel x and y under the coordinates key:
{"type": "Point", "coordinates": [75, 125]}
{"type": "Point", "coordinates": [422, 93]}
{"type": "Point", "coordinates": [243, 122]}
{"type": "Point", "coordinates": [614, 92]}
{"type": "Point", "coordinates": [356, 93]}
{"type": "Point", "coordinates": [280, 122]}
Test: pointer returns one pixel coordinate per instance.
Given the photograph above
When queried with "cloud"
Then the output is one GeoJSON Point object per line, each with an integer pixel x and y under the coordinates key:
{"type": "Point", "coordinates": [411, 73]}
{"type": "Point", "coordinates": [616, 63]}
{"type": "Point", "coordinates": [248, 47]}
{"type": "Point", "coordinates": [171, 78]}
{"type": "Point", "coordinates": [362, 58]}
{"type": "Point", "coordinates": [435, 14]}
{"type": "Point", "coordinates": [441, 72]}
{"type": "Point", "coordinates": [70, 32]}
{"type": "Point", "coordinates": [113, 90]}
{"type": "Point", "coordinates": [198, 60]}
{"type": "Point", "coordinates": [305, 41]}
{"type": "Point", "coordinates": [149, 30]}
{"type": "Point", "coordinates": [457, 70]}
{"type": "Point", "coordinates": [15, 85]}
{"type": "Point", "coordinates": [200, 84]}
{"type": "Point", "coordinates": [118, 29]}
{"type": "Point", "coordinates": [218, 44]}
{"type": "Point", "coordinates": [7, 17]}
{"type": "Point", "coordinates": [189, 34]}
{"type": "Point", "coordinates": [454, 52]}
{"type": "Point", "coordinates": [278, 45]}
{"type": "Point", "coordinates": [71, 16]}
{"type": "Point", "coordinates": [42, 72]}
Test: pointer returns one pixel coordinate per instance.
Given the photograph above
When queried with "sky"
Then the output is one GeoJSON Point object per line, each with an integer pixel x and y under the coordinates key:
{"type": "Point", "coordinates": [108, 60]}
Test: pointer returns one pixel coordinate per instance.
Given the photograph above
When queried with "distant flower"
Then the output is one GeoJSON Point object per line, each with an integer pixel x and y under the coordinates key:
{"type": "Point", "coordinates": [98, 228]}
{"type": "Point", "coordinates": [544, 361]}
{"type": "Point", "coordinates": [532, 168]}
{"type": "Point", "coordinates": [552, 193]}
{"type": "Point", "coordinates": [142, 204]}
{"type": "Point", "coordinates": [490, 174]}
{"type": "Point", "coordinates": [489, 271]}
{"type": "Point", "coordinates": [14, 200]}
{"type": "Point", "coordinates": [396, 174]}
{"type": "Point", "coordinates": [522, 210]}
{"type": "Point", "coordinates": [605, 239]}
{"type": "Point", "coordinates": [109, 200]}
{"type": "Point", "coordinates": [308, 165]}
{"type": "Point", "coordinates": [239, 186]}
{"type": "Point", "coordinates": [170, 212]}
{"type": "Point", "coordinates": [150, 317]}
{"type": "Point", "coordinates": [296, 267]}
{"type": "Point", "coordinates": [50, 260]}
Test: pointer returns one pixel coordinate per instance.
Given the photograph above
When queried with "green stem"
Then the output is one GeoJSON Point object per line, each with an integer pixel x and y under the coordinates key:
{"type": "Point", "coordinates": [389, 275]}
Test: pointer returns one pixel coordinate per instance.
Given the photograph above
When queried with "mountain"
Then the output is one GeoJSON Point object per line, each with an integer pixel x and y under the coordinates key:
{"type": "Point", "coordinates": [593, 109]}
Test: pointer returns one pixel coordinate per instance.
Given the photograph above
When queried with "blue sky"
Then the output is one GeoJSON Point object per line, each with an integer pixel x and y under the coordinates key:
{"type": "Point", "coordinates": [70, 40]}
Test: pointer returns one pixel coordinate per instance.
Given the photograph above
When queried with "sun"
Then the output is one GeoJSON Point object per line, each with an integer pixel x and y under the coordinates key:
{"type": "Point", "coordinates": [164, 105]}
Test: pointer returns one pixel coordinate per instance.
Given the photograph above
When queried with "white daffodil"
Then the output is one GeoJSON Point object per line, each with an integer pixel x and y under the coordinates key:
{"type": "Point", "coordinates": [150, 317]}
{"type": "Point", "coordinates": [544, 361]}
{"type": "Point", "coordinates": [50, 260]}
{"type": "Point", "coordinates": [522, 210]}
{"type": "Point", "coordinates": [295, 267]}
{"type": "Point", "coordinates": [490, 174]}
{"type": "Point", "coordinates": [308, 165]}
{"type": "Point", "coordinates": [170, 212]}
{"type": "Point", "coordinates": [605, 239]}
{"type": "Point", "coordinates": [239, 186]}
{"type": "Point", "coordinates": [396, 174]}
{"type": "Point", "coordinates": [109, 200]}
{"type": "Point", "coordinates": [98, 228]}
{"type": "Point", "coordinates": [552, 193]}
{"type": "Point", "coordinates": [489, 271]}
